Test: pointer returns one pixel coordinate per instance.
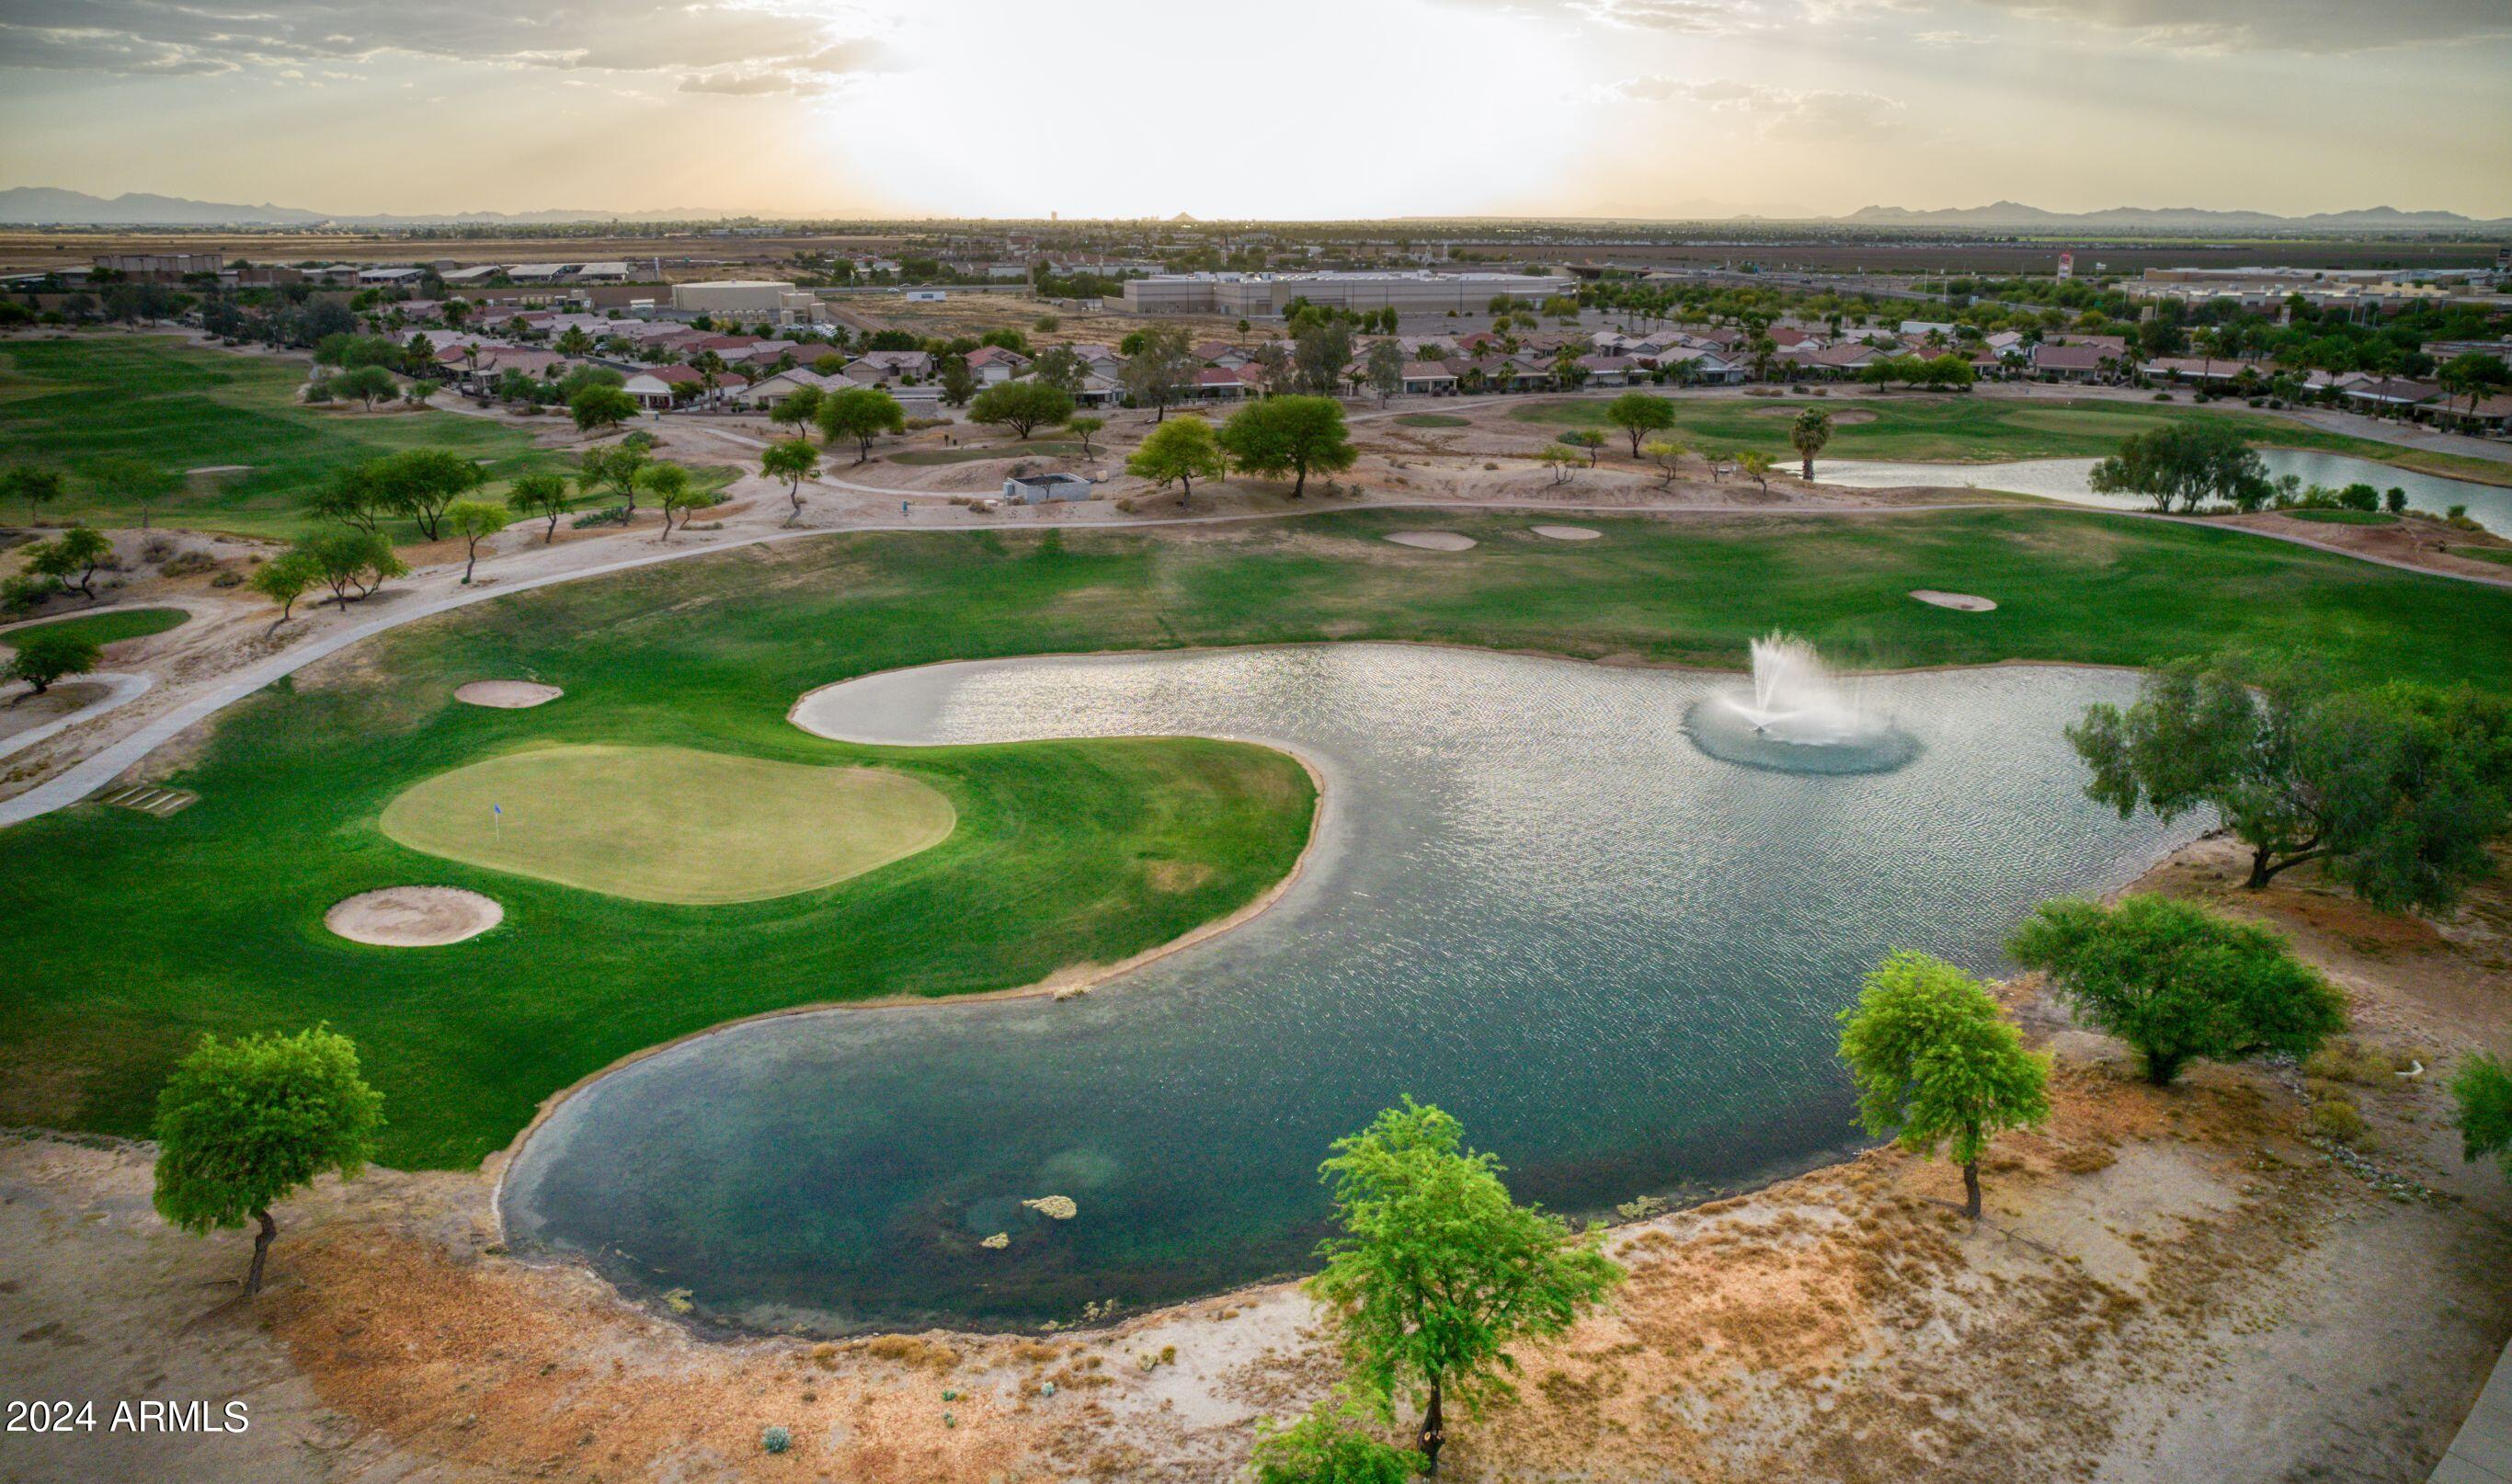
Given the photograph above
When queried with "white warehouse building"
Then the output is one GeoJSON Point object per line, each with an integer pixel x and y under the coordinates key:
{"type": "Point", "coordinates": [1255, 295]}
{"type": "Point", "coordinates": [750, 300]}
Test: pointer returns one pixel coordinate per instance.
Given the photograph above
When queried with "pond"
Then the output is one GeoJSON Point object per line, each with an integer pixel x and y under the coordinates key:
{"type": "Point", "coordinates": [1532, 901]}
{"type": "Point", "coordinates": [2069, 480]}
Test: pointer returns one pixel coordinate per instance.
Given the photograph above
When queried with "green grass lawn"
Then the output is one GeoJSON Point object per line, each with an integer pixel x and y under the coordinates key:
{"type": "Point", "coordinates": [1042, 449]}
{"type": "Point", "coordinates": [1432, 421]}
{"type": "Point", "coordinates": [2344, 517]}
{"type": "Point", "coordinates": [1986, 429]}
{"type": "Point", "coordinates": [2500, 555]}
{"type": "Point", "coordinates": [103, 628]}
{"type": "Point", "coordinates": [70, 404]}
{"type": "Point", "coordinates": [129, 935]}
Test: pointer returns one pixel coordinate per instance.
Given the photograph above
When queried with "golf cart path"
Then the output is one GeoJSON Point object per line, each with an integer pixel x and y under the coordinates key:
{"type": "Point", "coordinates": [102, 767]}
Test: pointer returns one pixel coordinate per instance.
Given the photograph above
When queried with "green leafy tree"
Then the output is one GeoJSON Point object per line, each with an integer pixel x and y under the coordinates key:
{"type": "Point", "coordinates": [40, 659]}
{"type": "Point", "coordinates": [1383, 369]}
{"type": "Point", "coordinates": [2189, 463]}
{"type": "Point", "coordinates": [1086, 429]}
{"type": "Point", "coordinates": [616, 468]}
{"type": "Point", "coordinates": [369, 384]}
{"type": "Point", "coordinates": [349, 561]}
{"type": "Point", "coordinates": [1756, 465]}
{"type": "Point", "coordinates": [243, 1124]}
{"type": "Point", "coordinates": [135, 480]}
{"type": "Point", "coordinates": [2483, 1089]}
{"type": "Point", "coordinates": [1586, 441]}
{"type": "Point", "coordinates": [1319, 351]}
{"type": "Point", "coordinates": [2398, 791]}
{"type": "Point", "coordinates": [1180, 451]}
{"type": "Point", "coordinates": [1331, 1444]}
{"type": "Point", "coordinates": [795, 408]}
{"type": "Point", "coordinates": [2473, 374]}
{"type": "Point", "coordinates": [79, 549]}
{"type": "Point", "coordinates": [1158, 369]}
{"type": "Point", "coordinates": [38, 488]}
{"type": "Point", "coordinates": [1811, 431]}
{"type": "Point", "coordinates": [283, 580]}
{"type": "Point", "coordinates": [793, 460]}
{"type": "Point", "coordinates": [419, 484]}
{"type": "Point", "coordinates": [1667, 455]}
{"type": "Point", "coordinates": [1936, 1064]}
{"type": "Point", "coordinates": [1289, 435]}
{"type": "Point", "coordinates": [2178, 982]}
{"type": "Point", "coordinates": [959, 384]}
{"type": "Point", "coordinates": [475, 520]}
{"type": "Point", "coordinates": [669, 484]}
{"type": "Point", "coordinates": [1059, 366]}
{"type": "Point", "coordinates": [539, 495]}
{"type": "Point", "coordinates": [1638, 414]}
{"type": "Point", "coordinates": [862, 413]}
{"type": "Point", "coordinates": [598, 406]}
{"type": "Point", "coordinates": [1021, 406]}
{"type": "Point", "coordinates": [1438, 1271]}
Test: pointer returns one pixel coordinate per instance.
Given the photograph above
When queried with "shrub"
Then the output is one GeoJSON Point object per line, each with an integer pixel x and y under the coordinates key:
{"type": "Point", "coordinates": [776, 1439]}
{"type": "Point", "coordinates": [2348, 1059]}
{"type": "Point", "coordinates": [186, 564]}
{"type": "Point", "coordinates": [2163, 396]}
{"type": "Point", "coordinates": [615, 515]}
{"type": "Point", "coordinates": [2337, 1119]}
{"type": "Point", "coordinates": [227, 579]}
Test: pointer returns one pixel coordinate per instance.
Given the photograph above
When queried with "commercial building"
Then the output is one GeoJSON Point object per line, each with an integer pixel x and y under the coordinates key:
{"type": "Point", "coordinates": [771, 299]}
{"type": "Point", "coordinates": [1263, 295]}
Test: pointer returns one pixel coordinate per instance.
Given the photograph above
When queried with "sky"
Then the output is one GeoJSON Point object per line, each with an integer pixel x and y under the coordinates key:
{"type": "Point", "coordinates": [1283, 108]}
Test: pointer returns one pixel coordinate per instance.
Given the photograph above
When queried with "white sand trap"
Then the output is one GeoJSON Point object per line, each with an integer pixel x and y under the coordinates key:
{"type": "Point", "coordinates": [507, 695]}
{"type": "Point", "coordinates": [414, 916]}
{"type": "Point", "coordinates": [1966, 601]}
{"type": "Point", "coordinates": [1566, 532]}
{"type": "Point", "coordinates": [1431, 540]}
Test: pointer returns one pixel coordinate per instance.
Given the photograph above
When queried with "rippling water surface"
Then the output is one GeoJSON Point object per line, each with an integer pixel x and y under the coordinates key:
{"type": "Point", "coordinates": [1533, 902]}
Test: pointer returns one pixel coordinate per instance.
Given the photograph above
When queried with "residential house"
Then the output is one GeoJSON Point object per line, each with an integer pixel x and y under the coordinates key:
{"type": "Point", "coordinates": [2393, 392]}
{"type": "Point", "coordinates": [1220, 383]}
{"type": "Point", "coordinates": [1610, 371]}
{"type": "Point", "coordinates": [993, 364]}
{"type": "Point", "coordinates": [882, 368]}
{"type": "Point", "coordinates": [1429, 379]}
{"type": "Point", "coordinates": [767, 390]}
{"type": "Point", "coordinates": [2070, 363]}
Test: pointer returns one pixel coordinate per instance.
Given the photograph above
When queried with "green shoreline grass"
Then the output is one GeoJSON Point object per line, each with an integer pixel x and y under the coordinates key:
{"type": "Point", "coordinates": [1969, 430]}
{"type": "Point", "coordinates": [101, 628]}
{"type": "Point", "coordinates": [130, 935]}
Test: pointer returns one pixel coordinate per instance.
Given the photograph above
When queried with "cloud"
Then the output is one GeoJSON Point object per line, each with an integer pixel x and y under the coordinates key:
{"type": "Point", "coordinates": [143, 37]}
{"type": "Point", "coordinates": [1780, 113]}
{"type": "Point", "coordinates": [2327, 27]}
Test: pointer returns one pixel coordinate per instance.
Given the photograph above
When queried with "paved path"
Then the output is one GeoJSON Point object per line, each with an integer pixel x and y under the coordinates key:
{"type": "Point", "coordinates": [2482, 1454]}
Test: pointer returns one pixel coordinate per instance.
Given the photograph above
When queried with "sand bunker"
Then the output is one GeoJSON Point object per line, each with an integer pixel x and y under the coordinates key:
{"type": "Point", "coordinates": [414, 916]}
{"type": "Point", "coordinates": [1566, 532]}
{"type": "Point", "coordinates": [1431, 540]}
{"type": "Point", "coordinates": [507, 695]}
{"type": "Point", "coordinates": [1966, 601]}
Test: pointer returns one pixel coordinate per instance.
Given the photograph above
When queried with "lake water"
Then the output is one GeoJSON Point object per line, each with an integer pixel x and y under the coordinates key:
{"type": "Point", "coordinates": [1533, 901]}
{"type": "Point", "coordinates": [2069, 480]}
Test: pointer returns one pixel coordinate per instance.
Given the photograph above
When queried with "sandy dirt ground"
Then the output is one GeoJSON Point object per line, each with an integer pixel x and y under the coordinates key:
{"type": "Point", "coordinates": [2168, 1286]}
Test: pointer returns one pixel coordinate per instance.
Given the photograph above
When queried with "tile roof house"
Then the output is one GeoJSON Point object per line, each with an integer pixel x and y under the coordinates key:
{"type": "Point", "coordinates": [2070, 363]}
{"type": "Point", "coordinates": [1429, 379]}
{"type": "Point", "coordinates": [993, 363]}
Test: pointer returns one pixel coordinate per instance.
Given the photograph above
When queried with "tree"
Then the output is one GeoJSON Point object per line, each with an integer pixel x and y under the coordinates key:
{"type": "Point", "coordinates": [1638, 414]}
{"type": "Point", "coordinates": [1319, 351]}
{"type": "Point", "coordinates": [1384, 370]}
{"type": "Point", "coordinates": [1936, 1062]}
{"type": "Point", "coordinates": [1561, 462]}
{"type": "Point", "coordinates": [862, 413]}
{"type": "Point", "coordinates": [792, 460]}
{"type": "Point", "coordinates": [474, 521]}
{"type": "Point", "coordinates": [1808, 433]}
{"type": "Point", "coordinates": [81, 549]}
{"type": "Point", "coordinates": [1438, 1271]}
{"type": "Point", "coordinates": [41, 658]}
{"type": "Point", "coordinates": [670, 485]}
{"type": "Point", "coordinates": [797, 407]}
{"type": "Point", "coordinates": [243, 1124]}
{"type": "Point", "coordinates": [1158, 369]}
{"type": "Point", "coordinates": [541, 496]}
{"type": "Point", "coordinates": [2483, 1089]}
{"type": "Point", "coordinates": [1330, 1445]}
{"type": "Point", "coordinates": [137, 479]}
{"type": "Point", "coordinates": [2177, 982]}
{"type": "Point", "coordinates": [1667, 455]}
{"type": "Point", "coordinates": [1294, 435]}
{"type": "Point", "coordinates": [1758, 465]}
{"type": "Point", "coordinates": [347, 561]}
{"type": "Point", "coordinates": [616, 468]}
{"type": "Point", "coordinates": [2473, 374]}
{"type": "Point", "coordinates": [1084, 429]}
{"type": "Point", "coordinates": [1184, 450]}
{"type": "Point", "coordinates": [1586, 441]}
{"type": "Point", "coordinates": [596, 408]}
{"type": "Point", "coordinates": [1059, 366]}
{"type": "Point", "coordinates": [283, 580]}
{"type": "Point", "coordinates": [2396, 791]}
{"type": "Point", "coordinates": [367, 383]}
{"type": "Point", "coordinates": [420, 482]}
{"type": "Point", "coordinates": [2191, 462]}
{"type": "Point", "coordinates": [1021, 406]}
{"type": "Point", "coordinates": [38, 488]}
{"type": "Point", "coordinates": [959, 384]}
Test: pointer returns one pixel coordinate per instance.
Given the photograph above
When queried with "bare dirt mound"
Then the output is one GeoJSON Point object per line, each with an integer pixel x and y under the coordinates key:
{"type": "Point", "coordinates": [414, 916]}
{"type": "Point", "coordinates": [1566, 532]}
{"type": "Point", "coordinates": [1966, 601]}
{"type": "Point", "coordinates": [507, 695]}
{"type": "Point", "coordinates": [1431, 540]}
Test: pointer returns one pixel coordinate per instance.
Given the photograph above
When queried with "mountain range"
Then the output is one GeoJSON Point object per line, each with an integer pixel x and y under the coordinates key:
{"type": "Point", "coordinates": [48, 205]}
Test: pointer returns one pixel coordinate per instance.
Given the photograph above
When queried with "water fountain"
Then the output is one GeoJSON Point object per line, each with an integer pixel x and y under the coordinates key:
{"type": "Point", "coordinates": [1799, 717]}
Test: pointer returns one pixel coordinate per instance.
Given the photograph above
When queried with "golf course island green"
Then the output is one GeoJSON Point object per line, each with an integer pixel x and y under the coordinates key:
{"type": "Point", "coordinates": [670, 824]}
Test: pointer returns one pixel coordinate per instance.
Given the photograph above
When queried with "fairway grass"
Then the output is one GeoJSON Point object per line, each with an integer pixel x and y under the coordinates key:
{"type": "Point", "coordinates": [670, 824]}
{"type": "Point", "coordinates": [1432, 421]}
{"type": "Point", "coordinates": [71, 405]}
{"type": "Point", "coordinates": [129, 935]}
{"type": "Point", "coordinates": [100, 627]}
{"type": "Point", "coordinates": [1960, 429]}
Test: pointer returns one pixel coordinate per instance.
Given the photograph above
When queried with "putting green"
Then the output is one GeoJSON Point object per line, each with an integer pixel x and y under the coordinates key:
{"type": "Point", "coordinates": [670, 824]}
